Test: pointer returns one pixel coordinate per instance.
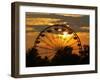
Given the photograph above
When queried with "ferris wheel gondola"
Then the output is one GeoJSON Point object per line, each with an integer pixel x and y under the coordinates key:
{"type": "Point", "coordinates": [57, 37]}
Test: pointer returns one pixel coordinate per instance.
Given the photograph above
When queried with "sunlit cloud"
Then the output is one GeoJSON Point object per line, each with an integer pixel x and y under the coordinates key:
{"type": "Point", "coordinates": [28, 29]}
{"type": "Point", "coordinates": [41, 21]}
{"type": "Point", "coordinates": [71, 15]}
{"type": "Point", "coordinates": [84, 28]}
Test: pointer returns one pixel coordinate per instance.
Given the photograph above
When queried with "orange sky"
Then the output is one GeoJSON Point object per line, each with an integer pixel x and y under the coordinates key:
{"type": "Point", "coordinates": [32, 32]}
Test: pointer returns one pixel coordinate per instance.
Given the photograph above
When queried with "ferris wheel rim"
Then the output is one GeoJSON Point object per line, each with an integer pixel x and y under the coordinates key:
{"type": "Point", "coordinates": [61, 25]}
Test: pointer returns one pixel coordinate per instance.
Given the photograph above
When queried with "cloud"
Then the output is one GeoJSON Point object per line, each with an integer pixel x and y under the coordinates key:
{"type": "Point", "coordinates": [29, 29]}
{"type": "Point", "coordinates": [41, 21]}
{"type": "Point", "coordinates": [71, 15]}
{"type": "Point", "coordinates": [84, 28]}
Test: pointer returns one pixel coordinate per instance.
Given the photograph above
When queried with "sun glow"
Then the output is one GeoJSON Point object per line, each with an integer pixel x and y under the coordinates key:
{"type": "Point", "coordinates": [64, 35]}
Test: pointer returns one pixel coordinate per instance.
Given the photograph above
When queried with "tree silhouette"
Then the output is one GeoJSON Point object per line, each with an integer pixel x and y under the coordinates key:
{"type": "Point", "coordinates": [62, 57]}
{"type": "Point", "coordinates": [31, 57]}
{"type": "Point", "coordinates": [65, 57]}
{"type": "Point", "coordinates": [86, 58]}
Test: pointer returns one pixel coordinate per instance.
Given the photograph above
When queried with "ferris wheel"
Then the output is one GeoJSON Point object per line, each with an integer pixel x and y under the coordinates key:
{"type": "Point", "coordinates": [57, 37]}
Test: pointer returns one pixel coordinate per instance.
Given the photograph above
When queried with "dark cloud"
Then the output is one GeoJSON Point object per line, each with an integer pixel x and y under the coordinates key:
{"type": "Point", "coordinates": [75, 22]}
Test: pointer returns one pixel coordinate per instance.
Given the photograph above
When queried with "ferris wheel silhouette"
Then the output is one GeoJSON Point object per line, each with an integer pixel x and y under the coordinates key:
{"type": "Point", "coordinates": [57, 37]}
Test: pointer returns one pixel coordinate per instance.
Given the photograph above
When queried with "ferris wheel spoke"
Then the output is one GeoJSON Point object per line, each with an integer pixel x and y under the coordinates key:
{"type": "Point", "coordinates": [54, 39]}
{"type": "Point", "coordinates": [59, 41]}
{"type": "Point", "coordinates": [41, 48]}
{"type": "Point", "coordinates": [45, 45]}
{"type": "Point", "coordinates": [44, 48]}
{"type": "Point", "coordinates": [64, 42]}
{"type": "Point", "coordinates": [57, 37]}
{"type": "Point", "coordinates": [46, 51]}
{"type": "Point", "coordinates": [50, 39]}
{"type": "Point", "coordinates": [67, 41]}
{"type": "Point", "coordinates": [47, 42]}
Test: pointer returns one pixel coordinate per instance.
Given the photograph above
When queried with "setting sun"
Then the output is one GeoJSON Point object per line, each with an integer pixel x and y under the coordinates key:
{"type": "Point", "coordinates": [65, 34]}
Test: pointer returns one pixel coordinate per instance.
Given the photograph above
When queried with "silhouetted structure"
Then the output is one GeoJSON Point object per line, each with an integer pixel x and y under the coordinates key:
{"type": "Point", "coordinates": [31, 57]}
{"type": "Point", "coordinates": [86, 58]}
{"type": "Point", "coordinates": [62, 57]}
{"type": "Point", "coordinates": [65, 57]}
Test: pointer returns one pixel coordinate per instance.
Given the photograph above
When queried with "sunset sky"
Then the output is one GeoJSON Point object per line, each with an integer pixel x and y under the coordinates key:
{"type": "Point", "coordinates": [36, 22]}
